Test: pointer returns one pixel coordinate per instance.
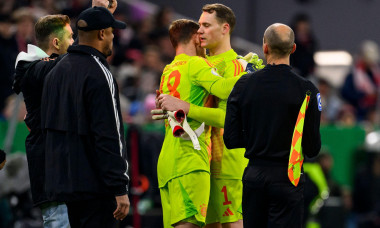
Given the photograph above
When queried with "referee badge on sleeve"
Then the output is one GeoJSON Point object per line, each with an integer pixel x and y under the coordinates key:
{"type": "Point", "coordinates": [319, 101]}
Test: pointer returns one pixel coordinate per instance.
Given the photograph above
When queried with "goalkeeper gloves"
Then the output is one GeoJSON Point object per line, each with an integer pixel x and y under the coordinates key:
{"type": "Point", "coordinates": [251, 62]}
{"type": "Point", "coordinates": [179, 125]}
{"type": "Point", "coordinates": [175, 120]}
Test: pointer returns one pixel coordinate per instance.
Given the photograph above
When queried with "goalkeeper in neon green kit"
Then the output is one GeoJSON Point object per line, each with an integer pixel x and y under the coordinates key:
{"type": "Point", "coordinates": [216, 24]}
{"type": "Point", "coordinates": [183, 171]}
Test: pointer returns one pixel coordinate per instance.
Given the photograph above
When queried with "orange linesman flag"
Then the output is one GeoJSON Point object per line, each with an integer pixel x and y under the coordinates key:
{"type": "Point", "coordinates": [296, 156]}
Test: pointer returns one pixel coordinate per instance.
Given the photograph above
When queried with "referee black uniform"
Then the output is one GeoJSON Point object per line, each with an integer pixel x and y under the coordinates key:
{"type": "Point", "coordinates": [262, 111]}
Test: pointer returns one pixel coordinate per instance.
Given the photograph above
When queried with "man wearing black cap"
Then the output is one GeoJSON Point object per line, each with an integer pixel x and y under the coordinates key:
{"type": "Point", "coordinates": [86, 163]}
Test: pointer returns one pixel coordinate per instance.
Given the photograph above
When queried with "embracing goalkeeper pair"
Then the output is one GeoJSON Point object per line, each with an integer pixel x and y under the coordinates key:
{"type": "Point", "coordinates": [200, 180]}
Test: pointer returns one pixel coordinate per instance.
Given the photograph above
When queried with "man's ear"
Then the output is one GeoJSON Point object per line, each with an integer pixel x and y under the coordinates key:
{"type": "Point", "coordinates": [294, 48]}
{"type": "Point", "coordinates": [101, 34]}
{"type": "Point", "coordinates": [56, 42]}
{"type": "Point", "coordinates": [265, 48]}
{"type": "Point", "coordinates": [226, 28]}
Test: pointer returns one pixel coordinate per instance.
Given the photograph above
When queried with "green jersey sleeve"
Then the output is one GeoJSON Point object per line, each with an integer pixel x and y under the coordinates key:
{"type": "Point", "coordinates": [207, 77]}
{"type": "Point", "coordinates": [211, 116]}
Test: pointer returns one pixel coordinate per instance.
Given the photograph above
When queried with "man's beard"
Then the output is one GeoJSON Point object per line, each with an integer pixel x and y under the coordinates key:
{"type": "Point", "coordinates": [108, 52]}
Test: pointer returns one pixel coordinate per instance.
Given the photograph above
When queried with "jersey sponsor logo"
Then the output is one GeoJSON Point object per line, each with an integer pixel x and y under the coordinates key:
{"type": "Point", "coordinates": [319, 102]}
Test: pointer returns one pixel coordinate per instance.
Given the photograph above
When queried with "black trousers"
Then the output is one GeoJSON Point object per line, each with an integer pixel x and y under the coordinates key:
{"type": "Point", "coordinates": [92, 213]}
{"type": "Point", "coordinates": [270, 199]}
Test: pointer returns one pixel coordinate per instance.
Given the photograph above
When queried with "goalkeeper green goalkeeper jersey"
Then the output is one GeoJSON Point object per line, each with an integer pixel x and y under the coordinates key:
{"type": "Point", "coordinates": [225, 163]}
{"type": "Point", "coordinates": [192, 79]}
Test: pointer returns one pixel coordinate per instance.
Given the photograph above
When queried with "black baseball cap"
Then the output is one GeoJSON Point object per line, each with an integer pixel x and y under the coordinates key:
{"type": "Point", "coordinates": [98, 18]}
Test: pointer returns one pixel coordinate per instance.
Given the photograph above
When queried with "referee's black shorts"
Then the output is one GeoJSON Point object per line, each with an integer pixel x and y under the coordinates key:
{"type": "Point", "coordinates": [270, 199]}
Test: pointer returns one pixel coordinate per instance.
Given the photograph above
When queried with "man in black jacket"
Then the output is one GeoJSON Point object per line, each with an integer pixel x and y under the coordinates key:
{"type": "Point", "coordinates": [86, 163]}
{"type": "Point", "coordinates": [53, 35]}
{"type": "Point", "coordinates": [262, 112]}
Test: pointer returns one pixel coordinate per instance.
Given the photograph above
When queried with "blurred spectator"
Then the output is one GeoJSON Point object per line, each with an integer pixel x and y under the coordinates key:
{"type": "Point", "coordinates": [326, 162]}
{"type": "Point", "coordinates": [361, 85]}
{"type": "Point", "coordinates": [324, 203]}
{"type": "Point", "coordinates": [335, 207]}
{"type": "Point", "coordinates": [141, 78]}
{"type": "Point", "coordinates": [160, 33]}
{"type": "Point", "coordinates": [25, 21]}
{"type": "Point", "coordinates": [7, 7]}
{"type": "Point", "coordinates": [346, 116]}
{"type": "Point", "coordinates": [9, 51]}
{"type": "Point", "coordinates": [50, 6]}
{"type": "Point", "coordinates": [75, 7]}
{"type": "Point", "coordinates": [16, 209]}
{"type": "Point", "coordinates": [161, 39]}
{"type": "Point", "coordinates": [10, 104]}
{"type": "Point", "coordinates": [164, 17]}
{"type": "Point", "coordinates": [366, 194]}
{"type": "Point", "coordinates": [303, 58]}
{"type": "Point", "coordinates": [331, 103]}
{"type": "Point", "coordinates": [153, 62]}
{"type": "Point", "coordinates": [13, 39]}
{"type": "Point", "coordinates": [316, 190]}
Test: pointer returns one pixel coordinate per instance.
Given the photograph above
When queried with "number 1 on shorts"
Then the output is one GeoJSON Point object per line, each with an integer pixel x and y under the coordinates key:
{"type": "Point", "coordinates": [224, 190]}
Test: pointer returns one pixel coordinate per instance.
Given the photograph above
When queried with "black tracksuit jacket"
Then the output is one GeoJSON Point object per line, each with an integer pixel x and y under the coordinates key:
{"type": "Point", "coordinates": [80, 115]}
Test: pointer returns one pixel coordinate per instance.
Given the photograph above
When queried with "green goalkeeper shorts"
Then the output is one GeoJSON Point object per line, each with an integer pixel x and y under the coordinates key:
{"type": "Point", "coordinates": [185, 199]}
{"type": "Point", "coordinates": [225, 201]}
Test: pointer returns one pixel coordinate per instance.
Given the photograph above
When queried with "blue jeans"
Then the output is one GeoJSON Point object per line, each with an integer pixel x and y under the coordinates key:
{"type": "Point", "coordinates": [55, 215]}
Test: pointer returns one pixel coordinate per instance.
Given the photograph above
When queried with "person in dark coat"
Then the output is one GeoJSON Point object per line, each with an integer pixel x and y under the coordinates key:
{"type": "Point", "coordinates": [262, 111]}
{"type": "Point", "coordinates": [86, 161]}
{"type": "Point", "coordinates": [53, 35]}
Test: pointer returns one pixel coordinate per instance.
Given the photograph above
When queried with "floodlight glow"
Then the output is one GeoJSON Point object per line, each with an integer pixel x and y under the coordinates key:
{"type": "Point", "coordinates": [333, 58]}
{"type": "Point", "coordinates": [372, 141]}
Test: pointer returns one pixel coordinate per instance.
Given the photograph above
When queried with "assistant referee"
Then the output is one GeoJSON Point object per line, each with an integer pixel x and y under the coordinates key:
{"type": "Point", "coordinates": [262, 112]}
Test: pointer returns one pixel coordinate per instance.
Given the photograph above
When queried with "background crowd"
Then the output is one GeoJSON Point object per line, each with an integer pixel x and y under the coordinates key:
{"type": "Point", "coordinates": [350, 111]}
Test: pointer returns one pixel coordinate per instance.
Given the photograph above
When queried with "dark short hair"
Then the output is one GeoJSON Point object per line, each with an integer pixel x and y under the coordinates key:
{"type": "Point", "coordinates": [224, 14]}
{"type": "Point", "coordinates": [182, 30]}
{"type": "Point", "coordinates": [49, 25]}
{"type": "Point", "coordinates": [280, 45]}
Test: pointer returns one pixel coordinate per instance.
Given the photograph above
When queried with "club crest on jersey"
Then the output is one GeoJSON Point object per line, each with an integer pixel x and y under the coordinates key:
{"type": "Point", "coordinates": [319, 101]}
{"type": "Point", "coordinates": [214, 71]}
